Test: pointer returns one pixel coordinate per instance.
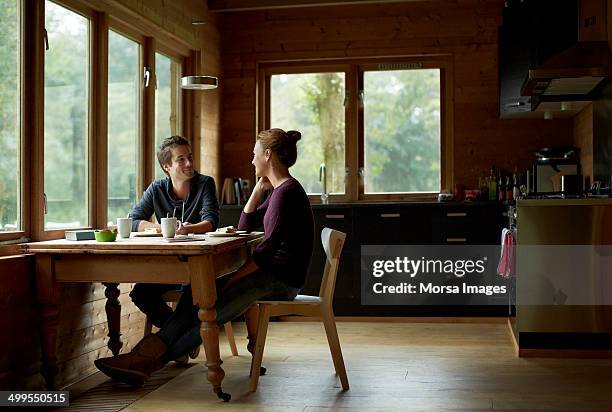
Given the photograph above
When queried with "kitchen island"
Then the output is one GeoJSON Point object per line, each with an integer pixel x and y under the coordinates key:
{"type": "Point", "coordinates": [563, 286]}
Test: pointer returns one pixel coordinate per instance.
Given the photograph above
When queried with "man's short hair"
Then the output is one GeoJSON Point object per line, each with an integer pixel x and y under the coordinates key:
{"type": "Point", "coordinates": [164, 153]}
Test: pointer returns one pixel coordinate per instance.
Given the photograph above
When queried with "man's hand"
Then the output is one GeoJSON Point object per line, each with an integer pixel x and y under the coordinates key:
{"type": "Point", "coordinates": [145, 225]}
{"type": "Point", "coordinates": [202, 227]}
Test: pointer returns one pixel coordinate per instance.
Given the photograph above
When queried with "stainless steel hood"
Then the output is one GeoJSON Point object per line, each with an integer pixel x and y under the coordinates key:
{"type": "Point", "coordinates": [577, 73]}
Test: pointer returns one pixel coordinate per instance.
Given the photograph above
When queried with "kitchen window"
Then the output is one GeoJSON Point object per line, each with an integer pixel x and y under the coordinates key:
{"type": "Point", "coordinates": [313, 103]}
{"type": "Point", "coordinates": [378, 126]}
{"type": "Point", "coordinates": [10, 116]}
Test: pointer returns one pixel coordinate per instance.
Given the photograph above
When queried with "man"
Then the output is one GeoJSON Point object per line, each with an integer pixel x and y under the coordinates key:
{"type": "Point", "coordinates": [185, 194]}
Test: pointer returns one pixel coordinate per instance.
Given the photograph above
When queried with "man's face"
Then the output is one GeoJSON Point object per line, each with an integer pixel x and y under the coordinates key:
{"type": "Point", "coordinates": [181, 167]}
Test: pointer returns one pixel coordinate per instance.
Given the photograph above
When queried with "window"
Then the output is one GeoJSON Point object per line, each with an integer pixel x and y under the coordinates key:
{"type": "Point", "coordinates": [167, 103]}
{"type": "Point", "coordinates": [124, 96]}
{"type": "Point", "coordinates": [402, 131]}
{"type": "Point", "coordinates": [66, 118]}
{"type": "Point", "coordinates": [378, 126]}
{"type": "Point", "coordinates": [313, 104]}
{"type": "Point", "coordinates": [10, 116]}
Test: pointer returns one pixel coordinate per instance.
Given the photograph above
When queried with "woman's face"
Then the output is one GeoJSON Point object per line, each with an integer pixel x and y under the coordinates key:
{"type": "Point", "coordinates": [260, 161]}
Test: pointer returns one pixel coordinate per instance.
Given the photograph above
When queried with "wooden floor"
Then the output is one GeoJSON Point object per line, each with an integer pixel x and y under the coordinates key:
{"type": "Point", "coordinates": [392, 366]}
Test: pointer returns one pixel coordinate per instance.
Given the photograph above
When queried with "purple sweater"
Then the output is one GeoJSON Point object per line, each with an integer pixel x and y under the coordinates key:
{"type": "Point", "coordinates": [286, 249]}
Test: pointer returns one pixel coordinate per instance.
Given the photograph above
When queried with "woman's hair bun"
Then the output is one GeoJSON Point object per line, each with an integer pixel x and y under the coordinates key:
{"type": "Point", "coordinates": [294, 135]}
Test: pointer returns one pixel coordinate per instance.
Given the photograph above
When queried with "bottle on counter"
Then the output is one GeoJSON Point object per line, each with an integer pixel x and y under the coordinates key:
{"type": "Point", "coordinates": [492, 185]}
{"type": "Point", "coordinates": [509, 189]}
{"type": "Point", "coordinates": [501, 188]}
{"type": "Point", "coordinates": [516, 191]}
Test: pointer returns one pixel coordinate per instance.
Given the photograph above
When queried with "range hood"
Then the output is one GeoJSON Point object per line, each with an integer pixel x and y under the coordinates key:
{"type": "Point", "coordinates": [578, 73]}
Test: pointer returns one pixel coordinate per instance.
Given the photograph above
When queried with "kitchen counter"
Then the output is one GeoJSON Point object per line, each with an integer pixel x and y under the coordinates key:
{"type": "Point", "coordinates": [565, 202]}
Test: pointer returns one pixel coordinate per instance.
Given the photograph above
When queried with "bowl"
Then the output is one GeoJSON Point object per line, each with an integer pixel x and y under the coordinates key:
{"type": "Point", "coordinates": [105, 236]}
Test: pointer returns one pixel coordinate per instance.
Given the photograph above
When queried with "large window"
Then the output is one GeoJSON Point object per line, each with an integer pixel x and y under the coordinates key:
{"type": "Point", "coordinates": [10, 115]}
{"type": "Point", "coordinates": [167, 102]}
{"type": "Point", "coordinates": [85, 98]}
{"type": "Point", "coordinates": [66, 118]}
{"type": "Point", "coordinates": [313, 104]}
{"type": "Point", "coordinates": [377, 127]}
{"type": "Point", "coordinates": [402, 131]}
{"type": "Point", "coordinates": [124, 93]}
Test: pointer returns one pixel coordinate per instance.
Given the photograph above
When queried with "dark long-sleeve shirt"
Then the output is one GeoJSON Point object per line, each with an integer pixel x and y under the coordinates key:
{"type": "Point", "coordinates": [286, 249]}
{"type": "Point", "coordinates": [159, 198]}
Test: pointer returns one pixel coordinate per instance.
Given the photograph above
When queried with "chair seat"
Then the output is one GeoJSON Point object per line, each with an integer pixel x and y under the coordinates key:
{"type": "Point", "coordinates": [299, 299]}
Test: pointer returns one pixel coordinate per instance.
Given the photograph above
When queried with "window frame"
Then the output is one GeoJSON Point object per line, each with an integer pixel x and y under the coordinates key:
{"type": "Point", "coordinates": [121, 29]}
{"type": "Point", "coordinates": [22, 140]}
{"type": "Point", "coordinates": [354, 143]}
{"type": "Point", "coordinates": [39, 231]}
{"type": "Point", "coordinates": [176, 57]}
{"type": "Point", "coordinates": [267, 70]}
{"type": "Point", "coordinates": [102, 17]}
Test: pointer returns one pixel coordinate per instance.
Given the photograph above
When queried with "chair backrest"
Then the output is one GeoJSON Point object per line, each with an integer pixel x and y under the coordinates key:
{"type": "Point", "coordinates": [333, 241]}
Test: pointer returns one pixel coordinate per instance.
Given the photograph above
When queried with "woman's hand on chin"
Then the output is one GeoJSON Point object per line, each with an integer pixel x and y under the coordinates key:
{"type": "Point", "coordinates": [263, 185]}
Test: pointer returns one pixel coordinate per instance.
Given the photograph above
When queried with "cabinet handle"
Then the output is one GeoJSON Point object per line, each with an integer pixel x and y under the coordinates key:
{"type": "Point", "coordinates": [515, 104]}
{"type": "Point", "coordinates": [456, 214]}
{"type": "Point", "coordinates": [334, 216]}
{"type": "Point", "coordinates": [384, 215]}
{"type": "Point", "coordinates": [456, 239]}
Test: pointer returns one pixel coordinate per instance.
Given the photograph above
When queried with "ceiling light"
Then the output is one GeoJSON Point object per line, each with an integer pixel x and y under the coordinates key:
{"type": "Point", "coordinates": [199, 82]}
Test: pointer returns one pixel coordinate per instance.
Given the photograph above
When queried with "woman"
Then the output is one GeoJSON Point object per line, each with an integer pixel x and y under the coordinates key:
{"type": "Point", "coordinates": [276, 271]}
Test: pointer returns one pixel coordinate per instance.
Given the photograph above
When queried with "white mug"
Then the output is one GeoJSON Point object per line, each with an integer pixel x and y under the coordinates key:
{"type": "Point", "coordinates": [124, 226]}
{"type": "Point", "coordinates": [168, 226]}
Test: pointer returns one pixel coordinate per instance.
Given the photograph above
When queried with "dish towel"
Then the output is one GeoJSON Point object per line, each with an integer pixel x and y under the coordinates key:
{"type": "Point", "coordinates": [507, 258]}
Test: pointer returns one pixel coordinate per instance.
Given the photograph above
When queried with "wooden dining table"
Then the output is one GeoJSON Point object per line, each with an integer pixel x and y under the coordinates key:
{"type": "Point", "coordinates": [137, 259]}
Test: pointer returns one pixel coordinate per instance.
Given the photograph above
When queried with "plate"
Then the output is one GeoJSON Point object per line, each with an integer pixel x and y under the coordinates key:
{"type": "Point", "coordinates": [234, 234]}
{"type": "Point", "coordinates": [146, 234]}
{"type": "Point", "coordinates": [184, 238]}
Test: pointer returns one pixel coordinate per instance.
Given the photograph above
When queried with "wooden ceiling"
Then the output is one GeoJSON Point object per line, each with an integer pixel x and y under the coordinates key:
{"type": "Point", "coordinates": [246, 5]}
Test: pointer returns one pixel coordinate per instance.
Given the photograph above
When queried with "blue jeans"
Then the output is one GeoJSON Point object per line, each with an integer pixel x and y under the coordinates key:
{"type": "Point", "coordinates": [181, 332]}
{"type": "Point", "coordinates": [148, 298]}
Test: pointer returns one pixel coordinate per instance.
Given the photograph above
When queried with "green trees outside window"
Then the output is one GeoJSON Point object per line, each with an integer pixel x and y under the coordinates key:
{"type": "Point", "coordinates": [167, 102]}
{"type": "Point", "coordinates": [402, 131]}
{"type": "Point", "coordinates": [124, 79]}
{"type": "Point", "coordinates": [66, 118]}
{"type": "Point", "coordinates": [313, 103]}
{"type": "Point", "coordinates": [10, 117]}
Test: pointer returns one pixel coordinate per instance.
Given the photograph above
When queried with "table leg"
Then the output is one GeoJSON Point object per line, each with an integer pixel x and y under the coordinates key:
{"type": "Point", "coordinates": [47, 293]}
{"type": "Point", "coordinates": [202, 275]}
{"type": "Point", "coordinates": [113, 317]}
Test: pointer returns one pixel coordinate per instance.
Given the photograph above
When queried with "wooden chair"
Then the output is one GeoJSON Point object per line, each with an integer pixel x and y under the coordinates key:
{"type": "Point", "coordinates": [319, 306]}
{"type": "Point", "coordinates": [173, 297]}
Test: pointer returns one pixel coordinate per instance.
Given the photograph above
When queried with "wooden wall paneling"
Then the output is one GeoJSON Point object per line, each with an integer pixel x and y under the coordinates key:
{"type": "Point", "coordinates": [20, 341]}
{"type": "Point", "coordinates": [467, 31]}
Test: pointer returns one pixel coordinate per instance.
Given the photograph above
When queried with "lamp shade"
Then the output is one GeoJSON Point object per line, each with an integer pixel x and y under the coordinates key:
{"type": "Point", "coordinates": [199, 82]}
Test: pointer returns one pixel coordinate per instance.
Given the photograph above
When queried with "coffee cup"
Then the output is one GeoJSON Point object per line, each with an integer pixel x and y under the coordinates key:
{"type": "Point", "coordinates": [168, 226]}
{"type": "Point", "coordinates": [124, 227]}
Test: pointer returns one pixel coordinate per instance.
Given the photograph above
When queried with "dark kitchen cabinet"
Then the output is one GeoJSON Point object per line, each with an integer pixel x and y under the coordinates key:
{"type": "Point", "coordinates": [400, 224]}
{"type": "Point", "coordinates": [532, 32]}
{"type": "Point", "coordinates": [472, 224]}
